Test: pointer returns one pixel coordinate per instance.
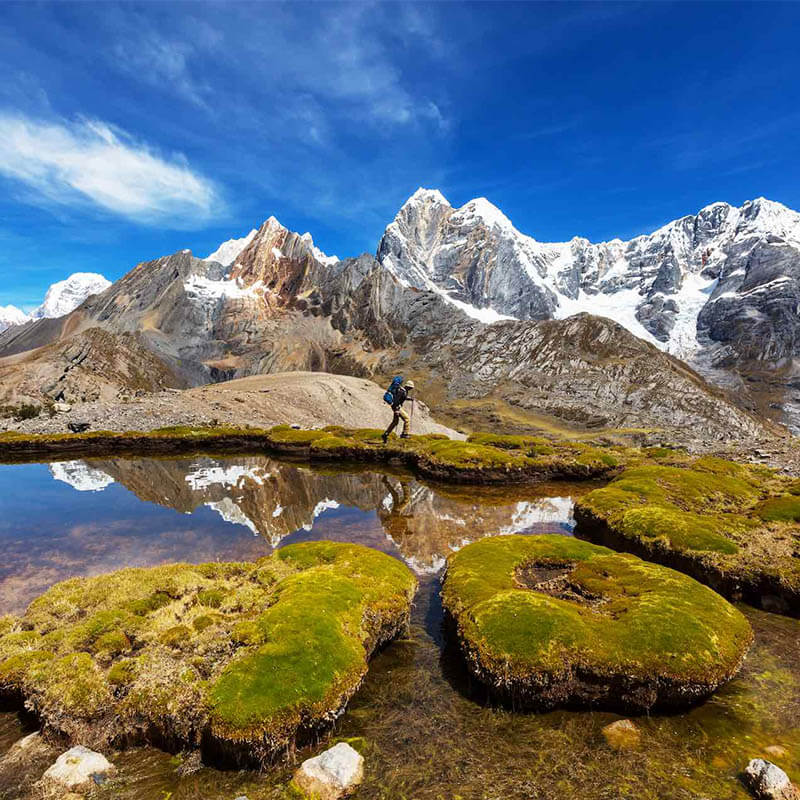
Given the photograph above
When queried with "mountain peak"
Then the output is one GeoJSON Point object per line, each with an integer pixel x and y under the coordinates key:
{"type": "Point", "coordinates": [229, 251]}
{"type": "Point", "coordinates": [65, 296]}
{"type": "Point", "coordinates": [11, 316]}
{"type": "Point", "coordinates": [318, 254]}
{"type": "Point", "coordinates": [487, 212]}
{"type": "Point", "coordinates": [423, 195]}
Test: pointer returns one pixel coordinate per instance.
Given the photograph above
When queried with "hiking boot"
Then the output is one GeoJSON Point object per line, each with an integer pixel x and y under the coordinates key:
{"type": "Point", "coordinates": [405, 435]}
{"type": "Point", "coordinates": [385, 437]}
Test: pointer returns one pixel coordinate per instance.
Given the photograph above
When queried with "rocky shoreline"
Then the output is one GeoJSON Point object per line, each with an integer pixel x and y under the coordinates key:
{"type": "Point", "coordinates": [433, 456]}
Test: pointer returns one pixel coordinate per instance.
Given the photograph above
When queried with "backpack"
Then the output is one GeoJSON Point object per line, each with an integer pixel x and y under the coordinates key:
{"type": "Point", "coordinates": [388, 397]}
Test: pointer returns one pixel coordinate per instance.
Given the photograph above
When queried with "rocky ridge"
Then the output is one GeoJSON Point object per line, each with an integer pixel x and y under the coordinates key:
{"type": "Point", "coordinates": [278, 307]}
{"type": "Point", "coordinates": [719, 289]}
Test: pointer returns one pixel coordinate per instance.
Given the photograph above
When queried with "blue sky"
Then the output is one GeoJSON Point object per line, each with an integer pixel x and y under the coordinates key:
{"type": "Point", "coordinates": [132, 131]}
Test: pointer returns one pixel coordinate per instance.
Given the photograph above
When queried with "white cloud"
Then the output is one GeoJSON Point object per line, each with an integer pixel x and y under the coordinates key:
{"type": "Point", "coordinates": [89, 160]}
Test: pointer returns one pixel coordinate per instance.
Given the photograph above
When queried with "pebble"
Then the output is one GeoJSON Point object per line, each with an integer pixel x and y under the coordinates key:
{"type": "Point", "coordinates": [331, 775]}
{"type": "Point", "coordinates": [78, 767]}
{"type": "Point", "coordinates": [767, 781]}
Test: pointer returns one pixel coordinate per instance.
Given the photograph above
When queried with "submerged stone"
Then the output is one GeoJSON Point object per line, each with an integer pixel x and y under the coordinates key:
{"type": "Point", "coordinates": [330, 775]}
{"type": "Point", "coordinates": [26, 759]}
{"type": "Point", "coordinates": [283, 645]}
{"type": "Point", "coordinates": [622, 735]}
{"type": "Point", "coordinates": [550, 620]}
{"type": "Point", "coordinates": [731, 526]}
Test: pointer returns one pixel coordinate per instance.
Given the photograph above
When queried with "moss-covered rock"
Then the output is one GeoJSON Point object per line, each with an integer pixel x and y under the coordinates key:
{"type": "Point", "coordinates": [732, 526]}
{"type": "Point", "coordinates": [551, 620]}
{"type": "Point", "coordinates": [137, 655]}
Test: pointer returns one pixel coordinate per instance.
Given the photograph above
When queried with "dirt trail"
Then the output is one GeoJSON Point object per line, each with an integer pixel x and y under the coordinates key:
{"type": "Point", "coordinates": [308, 399]}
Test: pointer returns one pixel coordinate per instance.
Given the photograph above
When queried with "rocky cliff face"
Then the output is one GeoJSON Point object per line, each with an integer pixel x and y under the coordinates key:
{"type": "Point", "coordinates": [719, 288]}
{"type": "Point", "coordinates": [278, 307]}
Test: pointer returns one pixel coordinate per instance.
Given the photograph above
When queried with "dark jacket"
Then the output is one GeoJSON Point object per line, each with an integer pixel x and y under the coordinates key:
{"type": "Point", "coordinates": [400, 395]}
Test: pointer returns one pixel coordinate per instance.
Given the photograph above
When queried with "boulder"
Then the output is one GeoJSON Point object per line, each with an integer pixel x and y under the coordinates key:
{"type": "Point", "coordinates": [62, 408]}
{"type": "Point", "coordinates": [767, 781]}
{"type": "Point", "coordinates": [330, 775]}
{"type": "Point", "coordinates": [622, 735]}
{"type": "Point", "coordinates": [546, 621]}
{"type": "Point", "coordinates": [78, 767]}
{"type": "Point", "coordinates": [78, 427]}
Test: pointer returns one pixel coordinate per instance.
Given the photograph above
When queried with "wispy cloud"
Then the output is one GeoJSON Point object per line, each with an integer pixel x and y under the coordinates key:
{"type": "Point", "coordinates": [90, 161]}
{"type": "Point", "coordinates": [344, 59]}
{"type": "Point", "coordinates": [161, 62]}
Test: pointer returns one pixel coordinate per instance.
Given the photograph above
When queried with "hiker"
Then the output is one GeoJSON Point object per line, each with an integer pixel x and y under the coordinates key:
{"type": "Point", "coordinates": [395, 396]}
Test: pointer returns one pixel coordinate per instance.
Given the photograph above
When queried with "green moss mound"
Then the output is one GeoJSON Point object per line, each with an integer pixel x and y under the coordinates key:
{"type": "Point", "coordinates": [780, 509]}
{"type": "Point", "coordinates": [137, 655]}
{"type": "Point", "coordinates": [483, 458]}
{"type": "Point", "coordinates": [733, 526]}
{"type": "Point", "coordinates": [551, 620]}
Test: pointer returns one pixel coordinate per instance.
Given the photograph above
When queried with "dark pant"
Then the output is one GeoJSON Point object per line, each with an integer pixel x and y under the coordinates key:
{"type": "Point", "coordinates": [399, 413]}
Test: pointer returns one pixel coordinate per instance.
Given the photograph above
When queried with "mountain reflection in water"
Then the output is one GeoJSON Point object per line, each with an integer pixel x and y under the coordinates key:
{"type": "Point", "coordinates": [86, 517]}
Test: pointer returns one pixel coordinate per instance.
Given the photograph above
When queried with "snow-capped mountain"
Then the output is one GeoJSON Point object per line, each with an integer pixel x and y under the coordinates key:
{"type": "Point", "coordinates": [278, 307]}
{"type": "Point", "coordinates": [690, 285]}
{"type": "Point", "coordinates": [10, 316]}
{"type": "Point", "coordinates": [65, 296]}
{"type": "Point", "coordinates": [80, 476]}
{"type": "Point", "coordinates": [62, 298]}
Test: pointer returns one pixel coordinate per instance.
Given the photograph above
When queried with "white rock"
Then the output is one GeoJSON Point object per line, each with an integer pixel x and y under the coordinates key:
{"type": "Point", "coordinates": [768, 781]}
{"type": "Point", "coordinates": [332, 774]}
{"type": "Point", "coordinates": [62, 408]}
{"type": "Point", "coordinates": [77, 767]}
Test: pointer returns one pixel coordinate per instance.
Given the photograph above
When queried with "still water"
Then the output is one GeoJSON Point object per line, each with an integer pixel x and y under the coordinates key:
{"type": "Point", "coordinates": [425, 733]}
